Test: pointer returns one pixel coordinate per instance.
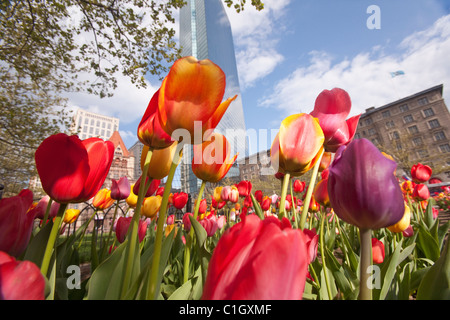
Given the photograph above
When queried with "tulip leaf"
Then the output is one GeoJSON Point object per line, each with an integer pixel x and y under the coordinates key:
{"type": "Point", "coordinates": [36, 248]}
{"type": "Point", "coordinates": [342, 282]}
{"type": "Point", "coordinates": [257, 207]}
{"type": "Point", "coordinates": [428, 244]}
{"type": "Point", "coordinates": [324, 285]}
{"type": "Point", "coordinates": [204, 254]}
{"type": "Point", "coordinates": [190, 290]}
{"type": "Point", "coordinates": [102, 276]}
{"type": "Point", "coordinates": [435, 284]}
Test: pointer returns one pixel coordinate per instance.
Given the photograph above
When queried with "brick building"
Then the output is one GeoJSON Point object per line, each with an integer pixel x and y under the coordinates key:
{"type": "Point", "coordinates": [413, 129]}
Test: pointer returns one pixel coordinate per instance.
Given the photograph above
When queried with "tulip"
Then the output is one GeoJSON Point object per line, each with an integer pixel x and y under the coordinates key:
{"type": "Point", "coordinates": [362, 189]}
{"type": "Point", "coordinates": [314, 206]}
{"type": "Point", "coordinates": [20, 280]}
{"type": "Point", "coordinates": [192, 94]}
{"type": "Point", "coordinates": [217, 193]}
{"type": "Point", "coordinates": [132, 198]}
{"type": "Point", "coordinates": [299, 186]}
{"type": "Point", "coordinates": [404, 222]}
{"type": "Point", "coordinates": [298, 145]}
{"type": "Point", "coordinates": [154, 185]}
{"type": "Point", "coordinates": [170, 219]}
{"type": "Point", "coordinates": [210, 225]}
{"type": "Point", "coordinates": [421, 192]}
{"type": "Point", "coordinates": [221, 221]}
{"type": "Point", "coordinates": [212, 159]}
{"type": "Point", "coordinates": [421, 173]}
{"type": "Point", "coordinates": [377, 251]}
{"type": "Point", "coordinates": [321, 193]}
{"type": "Point", "coordinates": [120, 190]}
{"type": "Point", "coordinates": [265, 203]}
{"type": "Point", "coordinates": [203, 206]}
{"type": "Point", "coordinates": [258, 195]}
{"type": "Point", "coordinates": [332, 108]}
{"type": "Point", "coordinates": [248, 202]}
{"type": "Point", "coordinates": [16, 223]}
{"type": "Point", "coordinates": [71, 170]}
{"type": "Point", "coordinates": [245, 188]}
{"type": "Point", "coordinates": [160, 191]}
{"type": "Point", "coordinates": [325, 161]}
{"type": "Point", "coordinates": [160, 162]}
{"type": "Point", "coordinates": [150, 132]}
{"type": "Point", "coordinates": [257, 260]}
{"type": "Point", "coordinates": [71, 215]}
{"type": "Point", "coordinates": [274, 198]}
{"type": "Point", "coordinates": [102, 199]}
{"type": "Point", "coordinates": [216, 205]}
{"type": "Point", "coordinates": [187, 221]}
{"type": "Point", "coordinates": [151, 206]}
{"type": "Point", "coordinates": [408, 232]}
{"type": "Point", "coordinates": [180, 199]}
{"type": "Point", "coordinates": [122, 226]}
{"type": "Point", "coordinates": [39, 210]}
{"type": "Point", "coordinates": [312, 243]}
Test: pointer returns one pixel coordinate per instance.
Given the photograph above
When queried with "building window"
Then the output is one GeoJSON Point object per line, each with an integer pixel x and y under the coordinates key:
{"type": "Point", "coordinates": [86, 121]}
{"type": "Point", "coordinates": [91, 130]}
{"type": "Point", "coordinates": [394, 135]}
{"type": "Point", "coordinates": [422, 101]}
{"type": "Point", "coordinates": [372, 131]}
{"type": "Point", "coordinates": [386, 114]}
{"type": "Point", "coordinates": [390, 124]}
{"type": "Point", "coordinates": [428, 112]}
{"type": "Point", "coordinates": [417, 141]}
{"type": "Point", "coordinates": [408, 119]}
{"type": "Point", "coordinates": [376, 141]}
{"type": "Point", "coordinates": [399, 146]}
{"type": "Point", "coordinates": [404, 108]}
{"type": "Point", "coordinates": [357, 135]}
{"type": "Point", "coordinates": [368, 121]}
{"type": "Point", "coordinates": [85, 129]}
{"type": "Point", "coordinates": [439, 136]}
{"type": "Point", "coordinates": [445, 148]}
{"type": "Point", "coordinates": [92, 122]}
{"type": "Point", "coordinates": [434, 123]}
{"type": "Point", "coordinates": [422, 153]}
{"type": "Point", "coordinates": [413, 129]}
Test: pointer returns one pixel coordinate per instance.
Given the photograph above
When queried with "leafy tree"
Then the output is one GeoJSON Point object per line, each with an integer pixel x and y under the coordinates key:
{"type": "Point", "coordinates": [51, 47]}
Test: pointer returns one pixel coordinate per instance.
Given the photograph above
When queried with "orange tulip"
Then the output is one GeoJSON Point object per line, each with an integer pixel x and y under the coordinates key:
{"type": "Point", "coordinates": [132, 198]}
{"type": "Point", "coordinates": [160, 162]}
{"type": "Point", "coordinates": [102, 199]}
{"type": "Point", "coordinates": [212, 160]}
{"type": "Point", "coordinates": [192, 91]}
{"type": "Point", "coordinates": [404, 222]}
{"type": "Point", "coordinates": [298, 144]}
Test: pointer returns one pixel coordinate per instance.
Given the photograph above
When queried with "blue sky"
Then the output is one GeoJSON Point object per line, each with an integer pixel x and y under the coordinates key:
{"type": "Point", "coordinates": [292, 50]}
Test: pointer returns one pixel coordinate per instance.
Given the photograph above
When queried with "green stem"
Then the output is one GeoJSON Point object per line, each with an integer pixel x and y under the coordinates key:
{"type": "Point", "coordinates": [153, 286]}
{"type": "Point", "coordinates": [284, 187]}
{"type": "Point", "coordinates": [110, 231]}
{"type": "Point", "coordinates": [134, 226]}
{"type": "Point", "coordinates": [84, 231]}
{"type": "Point", "coordinates": [187, 248]}
{"type": "Point", "coordinates": [322, 253]}
{"type": "Point", "coordinates": [294, 207]}
{"type": "Point", "coordinates": [47, 212]}
{"type": "Point", "coordinates": [52, 238]}
{"type": "Point", "coordinates": [365, 293]}
{"type": "Point", "coordinates": [309, 193]}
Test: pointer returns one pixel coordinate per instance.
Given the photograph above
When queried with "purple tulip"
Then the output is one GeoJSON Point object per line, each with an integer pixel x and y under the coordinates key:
{"type": "Point", "coordinates": [120, 189]}
{"type": "Point", "coordinates": [362, 187]}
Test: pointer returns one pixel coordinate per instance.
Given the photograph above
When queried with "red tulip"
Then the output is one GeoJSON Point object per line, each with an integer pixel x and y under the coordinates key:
{"type": "Point", "coordinates": [299, 186]}
{"type": "Point", "coordinates": [408, 232]}
{"type": "Point", "coordinates": [312, 243]}
{"type": "Point", "coordinates": [71, 170]}
{"type": "Point", "coordinates": [16, 224]}
{"type": "Point", "coordinates": [245, 188]}
{"type": "Point", "coordinates": [20, 280]}
{"type": "Point", "coordinates": [421, 173]}
{"type": "Point", "coordinates": [321, 193]}
{"type": "Point", "coordinates": [150, 132]}
{"type": "Point", "coordinates": [180, 199]}
{"type": "Point", "coordinates": [187, 221]}
{"type": "Point", "coordinates": [209, 223]}
{"type": "Point", "coordinates": [121, 189]}
{"type": "Point", "coordinates": [332, 108]}
{"type": "Point", "coordinates": [257, 260]}
{"type": "Point", "coordinates": [377, 251]}
{"type": "Point", "coordinates": [266, 202]}
{"type": "Point", "coordinates": [122, 226]}
{"type": "Point", "coordinates": [192, 94]}
{"type": "Point", "coordinates": [258, 195]}
{"type": "Point", "coordinates": [203, 206]}
{"type": "Point", "coordinates": [421, 192]}
{"type": "Point", "coordinates": [154, 185]}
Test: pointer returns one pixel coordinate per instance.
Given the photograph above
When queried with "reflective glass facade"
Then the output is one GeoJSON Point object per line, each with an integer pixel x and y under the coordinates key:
{"type": "Point", "coordinates": [205, 33]}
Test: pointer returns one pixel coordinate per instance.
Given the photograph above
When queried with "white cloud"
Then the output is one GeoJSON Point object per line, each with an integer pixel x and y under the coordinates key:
{"type": "Point", "coordinates": [366, 77]}
{"type": "Point", "coordinates": [255, 40]}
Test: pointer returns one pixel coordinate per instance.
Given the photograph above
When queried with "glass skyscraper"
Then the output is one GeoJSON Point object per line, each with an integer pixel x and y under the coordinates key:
{"type": "Point", "coordinates": [205, 33]}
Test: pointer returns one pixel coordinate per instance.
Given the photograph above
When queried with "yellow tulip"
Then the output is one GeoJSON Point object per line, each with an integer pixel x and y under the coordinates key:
{"type": "Point", "coordinates": [160, 162]}
{"type": "Point", "coordinates": [217, 192]}
{"type": "Point", "coordinates": [71, 215]}
{"type": "Point", "coordinates": [151, 206]}
{"type": "Point", "coordinates": [132, 198]}
{"type": "Point", "coordinates": [403, 223]}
